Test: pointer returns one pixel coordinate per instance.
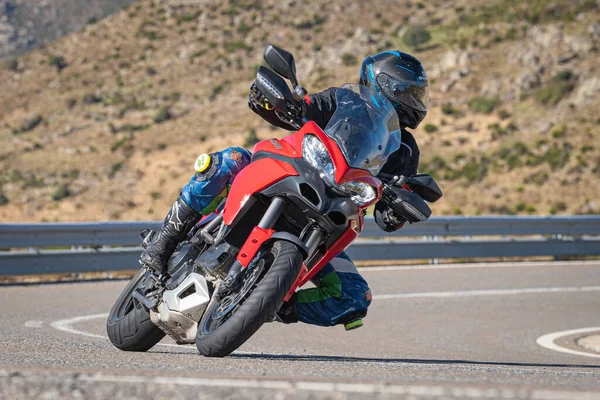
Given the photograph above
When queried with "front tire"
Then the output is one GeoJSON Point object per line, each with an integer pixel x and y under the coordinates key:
{"type": "Point", "coordinates": [129, 326]}
{"type": "Point", "coordinates": [257, 308]}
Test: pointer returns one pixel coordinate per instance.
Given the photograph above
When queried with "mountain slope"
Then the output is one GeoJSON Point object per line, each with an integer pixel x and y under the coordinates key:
{"type": "Point", "coordinates": [106, 122]}
{"type": "Point", "coordinates": [25, 24]}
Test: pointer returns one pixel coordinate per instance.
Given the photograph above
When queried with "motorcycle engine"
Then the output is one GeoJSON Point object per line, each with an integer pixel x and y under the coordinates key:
{"type": "Point", "coordinates": [181, 308]}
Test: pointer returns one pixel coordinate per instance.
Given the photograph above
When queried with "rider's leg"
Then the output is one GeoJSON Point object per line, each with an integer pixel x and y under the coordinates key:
{"type": "Point", "coordinates": [341, 295]}
{"type": "Point", "coordinates": [204, 192]}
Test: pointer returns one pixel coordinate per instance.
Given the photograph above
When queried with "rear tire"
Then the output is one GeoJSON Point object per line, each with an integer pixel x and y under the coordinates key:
{"type": "Point", "coordinates": [259, 307]}
{"type": "Point", "coordinates": [129, 326]}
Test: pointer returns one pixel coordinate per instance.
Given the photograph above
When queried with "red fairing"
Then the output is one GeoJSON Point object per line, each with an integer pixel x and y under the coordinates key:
{"type": "Point", "coordinates": [277, 146]}
{"type": "Point", "coordinates": [256, 239]}
{"type": "Point", "coordinates": [252, 179]}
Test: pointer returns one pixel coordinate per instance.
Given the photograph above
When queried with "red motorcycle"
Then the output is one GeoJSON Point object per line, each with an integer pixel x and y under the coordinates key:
{"type": "Point", "coordinates": [299, 203]}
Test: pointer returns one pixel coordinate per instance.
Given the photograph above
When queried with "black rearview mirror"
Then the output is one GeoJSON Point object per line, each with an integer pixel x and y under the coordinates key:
{"type": "Point", "coordinates": [273, 87]}
{"type": "Point", "coordinates": [426, 187]}
{"type": "Point", "coordinates": [282, 62]}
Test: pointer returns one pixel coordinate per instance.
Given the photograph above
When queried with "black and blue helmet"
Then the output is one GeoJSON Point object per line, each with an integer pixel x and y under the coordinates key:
{"type": "Point", "coordinates": [401, 78]}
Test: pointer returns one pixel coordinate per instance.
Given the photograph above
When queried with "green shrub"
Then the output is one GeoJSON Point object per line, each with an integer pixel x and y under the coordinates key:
{"type": "Point", "coordinates": [434, 167]}
{"type": "Point", "coordinates": [556, 157]}
{"type": "Point", "coordinates": [70, 103]}
{"type": "Point", "coordinates": [349, 59]}
{"type": "Point", "coordinates": [538, 178]}
{"type": "Point", "coordinates": [474, 171]}
{"type": "Point", "coordinates": [236, 45]}
{"type": "Point", "coordinates": [162, 115]}
{"type": "Point", "coordinates": [61, 192]}
{"type": "Point", "coordinates": [559, 132]}
{"type": "Point", "coordinates": [430, 128]}
{"type": "Point", "coordinates": [155, 195]}
{"type": "Point", "coordinates": [116, 167]}
{"type": "Point", "coordinates": [29, 124]}
{"type": "Point", "coordinates": [497, 131]}
{"type": "Point", "coordinates": [448, 109]}
{"type": "Point", "coordinates": [483, 105]}
{"type": "Point", "coordinates": [3, 199]}
{"type": "Point", "coordinates": [503, 114]}
{"type": "Point", "coordinates": [416, 36]}
{"type": "Point", "coordinates": [523, 207]}
{"type": "Point", "coordinates": [187, 17]}
{"type": "Point", "coordinates": [91, 98]}
{"type": "Point", "coordinates": [558, 208]}
{"type": "Point", "coordinates": [216, 91]}
{"type": "Point", "coordinates": [310, 23]}
{"type": "Point", "coordinates": [13, 65]}
{"type": "Point", "coordinates": [196, 54]}
{"type": "Point", "coordinates": [563, 76]}
{"type": "Point", "coordinates": [562, 84]}
{"type": "Point", "coordinates": [586, 148]}
{"type": "Point", "coordinates": [232, 10]}
{"type": "Point", "coordinates": [244, 29]}
{"type": "Point", "coordinates": [119, 143]}
{"type": "Point", "coordinates": [457, 211]}
{"type": "Point", "coordinates": [58, 62]}
{"type": "Point", "coordinates": [251, 138]}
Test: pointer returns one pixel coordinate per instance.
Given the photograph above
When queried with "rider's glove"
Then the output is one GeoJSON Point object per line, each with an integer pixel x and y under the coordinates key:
{"type": "Point", "coordinates": [386, 219]}
{"type": "Point", "coordinates": [294, 110]}
{"type": "Point", "coordinates": [404, 204]}
{"type": "Point", "coordinates": [257, 99]}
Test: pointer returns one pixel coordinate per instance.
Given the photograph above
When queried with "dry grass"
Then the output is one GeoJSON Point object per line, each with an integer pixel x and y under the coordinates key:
{"type": "Point", "coordinates": [99, 112]}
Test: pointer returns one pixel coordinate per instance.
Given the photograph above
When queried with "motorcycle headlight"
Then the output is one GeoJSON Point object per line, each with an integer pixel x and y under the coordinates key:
{"type": "Point", "coordinates": [361, 193]}
{"type": "Point", "coordinates": [316, 154]}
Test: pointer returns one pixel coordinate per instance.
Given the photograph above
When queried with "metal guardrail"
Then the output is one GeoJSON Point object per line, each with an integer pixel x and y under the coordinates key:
{"type": "Point", "coordinates": [89, 245]}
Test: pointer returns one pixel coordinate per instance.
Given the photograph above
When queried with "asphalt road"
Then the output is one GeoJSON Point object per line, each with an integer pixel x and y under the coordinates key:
{"type": "Point", "coordinates": [433, 332]}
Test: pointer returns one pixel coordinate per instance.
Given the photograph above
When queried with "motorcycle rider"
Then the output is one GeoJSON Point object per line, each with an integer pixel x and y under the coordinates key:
{"type": "Point", "coordinates": [341, 295]}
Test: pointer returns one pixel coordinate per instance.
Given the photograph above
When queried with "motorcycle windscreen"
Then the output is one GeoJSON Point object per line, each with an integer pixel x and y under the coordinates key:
{"type": "Point", "coordinates": [365, 126]}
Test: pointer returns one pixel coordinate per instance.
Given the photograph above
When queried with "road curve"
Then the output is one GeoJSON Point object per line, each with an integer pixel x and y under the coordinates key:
{"type": "Point", "coordinates": [433, 332]}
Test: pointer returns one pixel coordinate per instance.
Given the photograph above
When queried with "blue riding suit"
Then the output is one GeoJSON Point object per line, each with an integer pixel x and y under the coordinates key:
{"type": "Point", "coordinates": [340, 290]}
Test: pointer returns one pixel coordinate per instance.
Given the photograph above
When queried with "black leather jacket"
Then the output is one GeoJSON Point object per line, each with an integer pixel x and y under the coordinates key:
{"type": "Point", "coordinates": [321, 108]}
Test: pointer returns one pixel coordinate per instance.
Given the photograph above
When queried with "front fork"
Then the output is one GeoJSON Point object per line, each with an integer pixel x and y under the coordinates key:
{"type": "Point", "coordinates": [261, 233]}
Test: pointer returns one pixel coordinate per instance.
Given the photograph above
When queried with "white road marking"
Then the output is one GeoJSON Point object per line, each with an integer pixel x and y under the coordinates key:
{"type": "Point", "coordinates": [488, 292]}
{"type": "Point", "coordinates": [34, 324]}
{"type": "Point", "coordinates": [343, 387]}
{"type": "Point", "coordinates": [66, 325]}
{"type": "Point", "coordinates": [527, 264]}
{"type": "Point", "coordinates": [548, 340]}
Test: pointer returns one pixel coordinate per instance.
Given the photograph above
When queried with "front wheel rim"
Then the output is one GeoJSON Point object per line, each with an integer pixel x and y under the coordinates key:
{"type": "Point", "coordinates": [220, 312]}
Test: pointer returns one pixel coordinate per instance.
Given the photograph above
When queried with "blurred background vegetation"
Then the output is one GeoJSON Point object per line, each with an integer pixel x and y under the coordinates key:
{"type": "Point", "coordinates": [106, 121]}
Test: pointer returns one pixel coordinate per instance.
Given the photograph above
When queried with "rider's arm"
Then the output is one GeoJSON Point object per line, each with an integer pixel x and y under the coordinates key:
{"type": "Point", "coordinates": [405, 160]}
{"type": "Point", "coordinates": [318, 107]}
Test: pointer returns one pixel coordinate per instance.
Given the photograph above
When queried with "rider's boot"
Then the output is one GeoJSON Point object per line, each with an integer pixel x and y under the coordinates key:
{"type": "Point", "coordinates": [180, 220]}
{"type": "Point", "coordinates": [288, 313]}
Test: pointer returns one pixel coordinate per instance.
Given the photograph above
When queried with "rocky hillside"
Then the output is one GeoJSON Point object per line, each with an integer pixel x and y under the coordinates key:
{"type": "Point", "coordinates": [25, 24]}
{"type": "Point", "coordinates": [106, 123]}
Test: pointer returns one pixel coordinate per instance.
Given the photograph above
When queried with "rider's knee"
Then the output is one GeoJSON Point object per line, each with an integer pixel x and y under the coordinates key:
{"type": "Point", "coordinates": [214, 174]}
{"type": "Point", "coordinates": [356, 290]}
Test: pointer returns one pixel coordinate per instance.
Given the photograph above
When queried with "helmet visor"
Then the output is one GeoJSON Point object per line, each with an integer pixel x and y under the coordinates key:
{"type": "Point", "coordinates": [408, 93]}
